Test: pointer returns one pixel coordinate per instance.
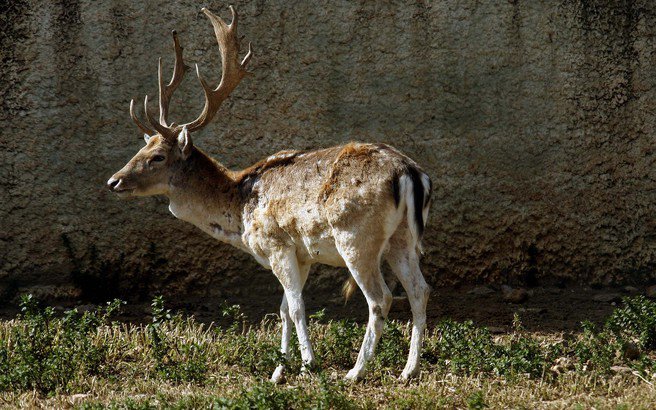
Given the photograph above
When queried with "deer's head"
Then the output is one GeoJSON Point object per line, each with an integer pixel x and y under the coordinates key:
{"type": "Point", "coordinates": [168, 144]}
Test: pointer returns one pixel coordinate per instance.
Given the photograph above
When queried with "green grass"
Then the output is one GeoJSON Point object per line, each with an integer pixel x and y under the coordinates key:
{"type": "Point", "coordinates": [86, 360]}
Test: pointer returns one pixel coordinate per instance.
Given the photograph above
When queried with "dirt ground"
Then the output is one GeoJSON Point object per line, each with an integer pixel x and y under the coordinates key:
{"type": "Point", "coordinates": [546, 309]}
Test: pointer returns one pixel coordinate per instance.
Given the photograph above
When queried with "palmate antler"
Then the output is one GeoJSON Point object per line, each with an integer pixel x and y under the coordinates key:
{"type": "Point", "coordinates": [232, 73]}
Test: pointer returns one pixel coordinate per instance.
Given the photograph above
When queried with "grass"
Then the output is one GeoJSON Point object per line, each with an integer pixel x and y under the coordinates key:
{"type": "Point", "coordinates": [86, 360]}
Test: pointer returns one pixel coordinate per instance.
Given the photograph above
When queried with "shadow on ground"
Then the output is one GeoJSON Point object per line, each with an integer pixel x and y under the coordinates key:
{"type": "Point", "coordinates": [546, 309]}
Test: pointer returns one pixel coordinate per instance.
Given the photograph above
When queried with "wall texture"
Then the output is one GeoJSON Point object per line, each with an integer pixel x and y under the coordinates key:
{"type": "Point", "coordinates": [534, 119]}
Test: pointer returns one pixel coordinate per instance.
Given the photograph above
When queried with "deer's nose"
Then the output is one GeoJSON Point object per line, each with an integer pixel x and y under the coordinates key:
{"type": "Point", "coordinates": [111, 184]}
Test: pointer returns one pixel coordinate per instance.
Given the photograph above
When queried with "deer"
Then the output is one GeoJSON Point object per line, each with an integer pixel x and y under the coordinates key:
{"type": "Point", "coordinates": [352, 205]}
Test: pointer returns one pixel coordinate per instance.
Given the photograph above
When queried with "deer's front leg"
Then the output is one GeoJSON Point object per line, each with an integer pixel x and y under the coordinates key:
{"type": "Point", "coordinates": [279, 373]}
{"type": "Point", "coordinates": [292, 276]}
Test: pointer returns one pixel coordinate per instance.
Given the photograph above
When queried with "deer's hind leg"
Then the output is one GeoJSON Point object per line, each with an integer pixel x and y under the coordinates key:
{"type": "Point", "coordinates": [362, 256]}
{"type": "Point", "coordinates": [404, 261]}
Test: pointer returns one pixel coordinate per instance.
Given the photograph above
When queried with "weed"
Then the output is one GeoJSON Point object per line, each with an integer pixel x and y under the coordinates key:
{"type": "Point", "coordinates": [526, 355]}
{"type": "Point", "coordinates": [167, 363]}
{"type": "Point", "coordinates": [47, 353]}
{"type": "Point", "coordinates": [392, 350]}
{"type": "Point", "coordinates": [176, 359]}
{"type": "Point", "coordinates": [255, 350]}
{"type": "Point", "coordinates": [336, 343]}
{"type": "Point", "coordinates": [461, 347]}
{"type": "Point", "coordinates": [418, 398]}
{"type": "Point", "coordinates": [266, 396]}
{"type": "Point", "coordinates": [476, 401]}
{"type": "Point", "coordinates": [595, 349]}
{"type": "Point", "coordinates": [318, 316]}
{"type": "Point", "coordinates": [635, 322]}
{"type": "Point", "coordinates": [235, 315]}
{"type": "Point", "coordinates": [467, 349]}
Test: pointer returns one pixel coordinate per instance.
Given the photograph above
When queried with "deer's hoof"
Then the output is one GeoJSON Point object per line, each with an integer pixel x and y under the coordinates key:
{"type": "Point", "coordinates": [408, 374]}
{"type": "Point", "coordinates": [353, 375]}
{"type": "Point", "coordinates": [278, 375]}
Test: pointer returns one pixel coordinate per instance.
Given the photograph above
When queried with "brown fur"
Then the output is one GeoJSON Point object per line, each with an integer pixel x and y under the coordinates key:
{"type": "Point", "coordinates": [281, 158]}
{"type": "Point", "coordinates": [349, 155]}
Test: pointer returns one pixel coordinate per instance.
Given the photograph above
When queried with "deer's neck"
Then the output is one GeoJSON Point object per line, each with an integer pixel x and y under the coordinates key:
{"type": "Point", "coordinates": [203, 192]}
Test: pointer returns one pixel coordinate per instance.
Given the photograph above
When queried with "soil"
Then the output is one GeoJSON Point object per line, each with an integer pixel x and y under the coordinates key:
{"type": "Point", "coordinates": [546, 310]}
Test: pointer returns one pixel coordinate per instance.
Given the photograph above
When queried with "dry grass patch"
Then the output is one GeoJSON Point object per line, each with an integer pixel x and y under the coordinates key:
{"type": "Point", "coordinates": [85, 360]}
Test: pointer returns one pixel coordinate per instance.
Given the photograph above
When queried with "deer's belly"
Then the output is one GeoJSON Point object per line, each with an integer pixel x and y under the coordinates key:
{"type": "Point", "coordinates": [320, 251]}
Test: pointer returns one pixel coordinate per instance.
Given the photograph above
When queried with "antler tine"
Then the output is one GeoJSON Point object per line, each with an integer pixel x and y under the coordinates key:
{"type": "Point", "coordinates": [166, 91]}
{"type": "Point", "coordinates": [145, 129]}
{"type": "Point", "coordinates": [247, 58]}
{"type": "Point", "coordinates": [163, 130]}
{"type": "Point", "coordinates": [235, 17]}
{"type": "Point", "coordinates": [233, 71]}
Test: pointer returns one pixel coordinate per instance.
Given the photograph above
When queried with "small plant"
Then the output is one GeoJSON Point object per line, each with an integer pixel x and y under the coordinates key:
{"type": "Point", "coordinates": [595, 349]}
{"type": "Point", "coordinates": [631, 325]}
{"type": "Point", "coordinates": [318, 316]}
{"type": "Point", "coordinates": [267, 396]}
{"type": "Point", "coordinates": [467, 349]}
{"type": "Point", "coordinates": [331, 395]}
{"type": "Point", "coordinates": [336, 343]}
{"type": "Point", "coordinates": [393, 347]}
{"type": "Point", "coordinates": [176, 359]}
{"type": "Point", "coordinates": [476, 401]}
{"type": "Point", "coordinates": [461, 347]}
{"type": "Point", "coordinates": [47, 353]}
{"type": "Point", "coordinates": [524, 354]}
{"type": "Point", "coordinates": [256, 350]}
{"type": "Point", "coordinates": [235, 315]}
{"type": "Point", "coordinates": [635, 322]}
{"type": "Point", "coordinates": [420, 398]}
{"type": "Point", "coordinates": [251, 351]}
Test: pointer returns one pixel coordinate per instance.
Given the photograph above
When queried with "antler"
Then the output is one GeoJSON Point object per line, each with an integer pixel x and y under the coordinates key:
{"type": "Point", "coordinates": [233, 72]}
{"type": "Point", "coordinates": [166, 91]}
{"type": "Point", "coordinates": [143, 127]}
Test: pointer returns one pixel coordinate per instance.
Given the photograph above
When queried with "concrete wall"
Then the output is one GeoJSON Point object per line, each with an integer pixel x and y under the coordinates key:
{"type": "Point", "coordinates": [534, 119]}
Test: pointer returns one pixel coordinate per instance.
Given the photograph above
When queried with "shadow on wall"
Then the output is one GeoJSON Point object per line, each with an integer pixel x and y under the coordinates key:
{"type": "Point", "coordinates": [103, 280]}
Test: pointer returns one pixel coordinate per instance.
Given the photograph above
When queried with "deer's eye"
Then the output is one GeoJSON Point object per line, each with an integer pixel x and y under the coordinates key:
{"type": "Point", "coordinates": [158, 158]}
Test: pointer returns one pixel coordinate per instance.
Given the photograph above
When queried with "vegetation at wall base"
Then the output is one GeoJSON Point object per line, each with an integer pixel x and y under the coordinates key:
{"type": "Point", "coordinates": [87, 360]}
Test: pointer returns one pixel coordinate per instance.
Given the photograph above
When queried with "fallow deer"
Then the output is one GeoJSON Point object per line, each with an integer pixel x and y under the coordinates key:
{"type": "Point", "coordinates": [351, 205]}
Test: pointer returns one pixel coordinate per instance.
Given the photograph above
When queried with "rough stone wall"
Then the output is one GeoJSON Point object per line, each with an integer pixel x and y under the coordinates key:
{"type": "Point", "coordinates": [534, 119]}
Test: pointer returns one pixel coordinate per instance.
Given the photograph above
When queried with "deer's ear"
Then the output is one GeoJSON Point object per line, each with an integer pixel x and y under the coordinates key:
{"type": "Point", "coordinates": [184, 143]}
{"type": "Point", "coordinates": [147, 138]}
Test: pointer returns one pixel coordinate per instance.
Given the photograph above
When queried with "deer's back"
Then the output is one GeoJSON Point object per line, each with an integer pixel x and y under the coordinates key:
{"type": "Point", "coordinates": [297, 197]}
